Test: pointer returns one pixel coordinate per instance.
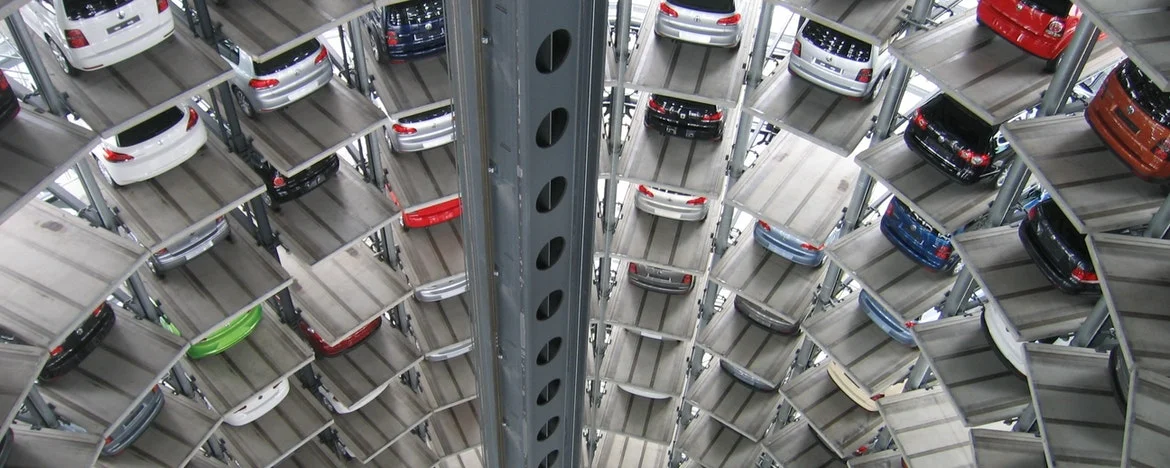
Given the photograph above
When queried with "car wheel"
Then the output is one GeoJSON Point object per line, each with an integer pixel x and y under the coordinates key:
{"type": "Point", "coordinates": [269, 202]}
{"type": "Point", "coordinates": [106, 174]}
{"type": "Point", "coordinates": [877, 88]}
{"type": "Point", "coordinates": [154, 269]}
{"type": "Point", "coordinates": [1050, 66]}
{"type": "Point", "coordinates": [230, 238]}
{"type": "Point", "coordinates": [245, 105]}
{"type": "Point", "coordinates": [62, 60]}
{"type": "Point", "coordinates": [380, 54]}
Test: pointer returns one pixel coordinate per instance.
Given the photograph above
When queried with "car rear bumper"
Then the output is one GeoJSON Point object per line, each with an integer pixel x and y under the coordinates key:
{"type": "Point", "coordinates": [93, 58]}
{"type": "Point", "coordinates": [765, 318]}
{"type": "Point", "coordinates": [1061, 279]}
{"type": "Point", "coordinates": [1103, 118]}
{"type": "Point", "coordinates": [431, 215]}
{"type": "Point", "coordinates": [304, 182]}
{"type": "Point", "coordinates": [828, 79]}
{"type": "Point", "coordinates": [69, 359]}
{"type": "Point", "coordinates": [417, 50]}
{"type": "Point", "coordinates": [348, 343]}
{"type": "Point", "coordinates": [659, 285]}
{"type": "Point", "coordinates": [665, 209]}
{"type": "Point", "coordinates": [783, 247]}
{"type": "Point", "coordinates": [946, 163]}
{"type": "Point", "coordinates": [283, 95]}
{"type": "Point", "coordinates": [137, 426]}
{"type": "Point", "coordinates": [912, 249]}
{"type": "Point", "coordinates": [433, 138]}
{"type": "Point", "coordinates": [177, 258]}
{"type": "Point", "coordinates": [1006, 27]}
{"type": "Point", "coordinates": [258, 409]}
{"type": "Point", "coordinates": [885, 320]}
{"type": "Point", "coordinates": [445, 288]}
{"type": "Point", "coordinates": [450, 352]}
{"type": "Point", "coordinates": [227, 336]}
{"type": "Point", "coordinates": [720, 36]}
{"type": "Point", "coordinates": [149, 165]}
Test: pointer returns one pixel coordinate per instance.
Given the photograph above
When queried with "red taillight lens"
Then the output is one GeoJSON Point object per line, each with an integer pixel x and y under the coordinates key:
{"type": "Point", "coordinates": [645, 191]}
{"type": "Point", "coordinates": [402, 129]}
{"type": "Point", "coordinates": [322, 55]}
{"type": "Point", "coordinates": [162, 251]}
{"type": "Point", "coordinates": [256, 83]}
{"type": "Point", "coordinates": [56, 351]}
{"type": "Point", "coordinates": [687, 279]}
{"type": "Point", "coordinates": [764, 225]}
{"type": "Point", "coordinates": [975, 159]}
{"type": "Point", "coordinates": [1033, 211]}
{"type": "Point", "coordinates": [192, 117]}
{"type": "Point", "coordinates": [943, 252]}
{"type": "Point", "coordinates": [814, 248]}
{"type": "Point", "coordinates": [796, 48]}
{"type": "Point", "coordinates": [3, 82]}
{"type": "Point", "coordinates": [114, 156]}
{"type": "Point", "coordinates": [109, 439]}
{"type": "Point", "coordinates": [911, 324]}
{"type": "Point", "coordinates": [730, 20]}
{"type": "Point", "coordinates": [391, 38]}
{"type": "Point", "coordinates": [1084, 276]}
{"type": "Point", "coordinates": [1161, 150]}
{"type": "Point", "coordinates": [865, 75]}
{"type": "Point", "coordinates": [667, 10]}
{"type": "Point", "coordinates": [656, 106]}
{"type": "Point", "coordinates": [633, 267]}
{"type": "Point", "coordinates": [1055, 28]}
{"type": "Point", "coordinates": [890, 209]}
{"type": "Point", "coordinates": [75, 38]}
{"type": "Point", "coordinates": [697, 201]}
{"type": "Point", "coordinates": [920, 119]}
{"type": "Point", "coordinates": [717, 116]}
{"type": "Point", "coordinates": [162, 5]}
{"type": "Point", "coordinates": [278, 181]}
{"type": "Point", "coordinates": [98, 310]}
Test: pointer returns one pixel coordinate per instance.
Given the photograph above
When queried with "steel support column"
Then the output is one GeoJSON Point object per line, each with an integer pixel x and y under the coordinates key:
{"type": "Point", "coordinates": [527, 82]}
{"type": "Point", "coordinates": [375, 172]}
{"type": "Point", "coordinates": [36, 69]}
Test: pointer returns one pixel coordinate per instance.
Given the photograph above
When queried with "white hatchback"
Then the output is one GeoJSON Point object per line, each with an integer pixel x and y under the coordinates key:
{"type": "Point", "coordinates": [152, 147]}
{"type": "Point", "coordinates": [258, 405]}
{"type": "Point", "coordinates": [839, 62]}
{"type": "Point", "coordinates": [427, 127]}
{"type": "Point", "coordinates": [87, 35]}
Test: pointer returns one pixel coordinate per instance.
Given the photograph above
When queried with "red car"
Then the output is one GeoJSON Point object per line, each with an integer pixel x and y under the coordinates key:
{"type": "Point", "coordinates": [1132, 116]}
{"type": "Point", "coordinates": [1041, 27]}
{"type": "Point", "coordinates": [431, 215]}
{"type": "Point", "coordinates": [325, 350]}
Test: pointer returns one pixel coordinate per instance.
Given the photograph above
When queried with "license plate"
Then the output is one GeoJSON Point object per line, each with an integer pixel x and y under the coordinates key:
{"type": "Point", "coordinates": [195, 253]}
{"type": "Point", "coordinates": [317, 181]}
{"type": "Point", "coordinates": [692, 37]}
{"type": "Point", "coordinates": [123, 25]}
{"type": "Point", "coordinates": [690, 133]}
{"type": "Point", "coordinates": [827, 65]}
{"type": "Point", "coordinates": [299, 94]}
{"type": "Point", "coordinates": [672, 130]}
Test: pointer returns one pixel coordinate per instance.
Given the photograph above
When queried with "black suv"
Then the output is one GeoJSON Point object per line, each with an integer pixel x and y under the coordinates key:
{"type": "Point", "coordinates": [282, 188]}
{"type": "Point", "coordinates": [77, 345]}
{"type": "Point", "coordinates": [687, 119]}
{"type": "Point", "coordinates": [406, 31]}
{"type": "Point", "coordinates": [953, 140]}
{"type": "Point", "coordinates": [1058, 249]}
{"type": "Point", "coordinates": [9, 104]}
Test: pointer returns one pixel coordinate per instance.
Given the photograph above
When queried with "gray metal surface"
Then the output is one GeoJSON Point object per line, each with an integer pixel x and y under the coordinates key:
{"type": "Point", "coordinates": [899, 284]}
{"type": "Point", "coordinates": [45, 248]}
{"type": "Point", "coordinates": [885, 459]}
{"type": "Point", "coordinates": [293, 138]}
{"type": "Point", "coordinates": [869, 20]}
{"type": "Point", "coordinates": [389, 417]}
{"type": "Point", "coordinates": [118, 97]}
{"type": "Point", "coordinates": [472, 458]}
{"type": "Point", "coordinates": [19, 366]}
{"type": "Point", "coordinates": [797, 445]}
{"type": "Point", "coordinates": [410, 85]}
{"type": "Point", "coordinates": [842, 425]}
{"type": "Point", "coordinates": [408, 451]}
{"type": "Point", "coordinates": [628, 452]}
{"type": "Point", "coordinates": [1079, 417]}
{"type": "Point", "coordinates": [268, 356]}
{"type": "Point", "coordinates": [312, 455]}
{"type": "Point", "coordinates": [736, 405]}
{"type": "Point", "coordinates": [8, 7]}
{"type": "Point", "coordinates": [448, 383]}
{"type": "Point", "coordinates": [796, 186]}
{"type": "Point", "coordinates": [690, 166]}
{"type": "Point", "coordinates": [947, 206]}
{"type": "Point", "coordinates": [637, 417]}
{"type": "Point", "coordinates": [665, 243]}
{"type": "Point", "coordinates": [431, 254]}
{"type": "Point", "coordinates": [38, 147]}
{"type": "Point", "coordinates": [266, 28]}
{"type": "Point", "coordinates": [173, 439]}
{"type": "Point", "coordinates": [1146, 437]}
{"type": "Point", "coordinates": [386, 354]}
{"type": "Point", "coordinates": [1093, 187]}
{"type": "Point", "coordinates": [982, 387]}
{"type": "Point", "coordinates": [345, 292]}
{"type": "Point", "coordinates": [34, 448]}
{"type": "Point", "coordinates": [1014, 283]}
{"type": "Point", "coordinates": [442, 324]}
{"type": "Point", "coordinates": [690, 71]}
{"type": "Point", "coordinates": [418, 179]}
{"type": "Point", "coordinates": [673, 316]}
{"type": "Point", "coordinates": [292, 423]}
{"type": "Point", "coordinates": [645, 363]}
{"type": "Point", "coordinates": [872, 359]}
{"type": "Point", "coordinates": [780, 286]}
{"type": "Point", "coordinates": [989, 75]}
{"type": "Point", "coordinates": [1007, 449]}
{"type": "Point", "coordinates": [714, 445]}
{"type": "Point", "coordinates": [219, 285]}
{"type": "Point", "coordinates": [733, 336]}
{"type": "Point", "coordinates": [456, 429]}
{"type": "Point", "coordinates": [1138, 28]}
{"type": "Point", "coordinates": [928, 429]}
{"type": "Point", "coordinates": [1135, 285]}
{"type": "Point", "coordinates": [829, 119]}
{"type": "Point", "coordinates": [337, 214]}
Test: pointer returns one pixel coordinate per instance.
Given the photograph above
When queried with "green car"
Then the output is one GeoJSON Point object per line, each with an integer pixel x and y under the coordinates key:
{"type": "Point", "coordinates": [225, 337]}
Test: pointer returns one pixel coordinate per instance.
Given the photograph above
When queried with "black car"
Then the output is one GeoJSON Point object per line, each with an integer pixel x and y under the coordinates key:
{"type": "Point", "coordinates": [282, 188]}
{"type": "Point", "coordinates": [9, 104]}
{"type": "Point", "coordinates": [77, 345]}
{"type": "Point", "coordinates": [956, 142]}
{"type": "Point", "coordinates": [687, 119]}
{"type": "Point", "coordinates": [135, 424]}
{"type": "Point", "coordinates": [1058, 249]}
{"type": "Point", "coordinates": [408, 30]}
{"type": "Point", "coordinates": [1119, 376]}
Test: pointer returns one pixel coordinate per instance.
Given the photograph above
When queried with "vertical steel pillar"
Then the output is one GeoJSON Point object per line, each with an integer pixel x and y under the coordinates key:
{"type": "Point", "coordinates": [375, 172]}
{"type": "Point", "coordinates": [27, 49]}
{"type": "Point", "coordinates": [236, 142]}
{"type": "Point", "coordinates": [527, 80]}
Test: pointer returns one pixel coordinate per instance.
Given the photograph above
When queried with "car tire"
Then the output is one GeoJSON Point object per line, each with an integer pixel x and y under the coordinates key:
{"type": "Point", "coordinates": [380, 53]}
{"type": "Point", "coordinates": [62, 60]}
{"type": "Point", "coordinates": [153, 269]}
{"type": "Point", "coordinates": [244, 104]}
{"type": "Point", "coordinates": [1050, 66]}
{"type": "Point", "coordinates": [877, 88]}
{"type": "Point", "coordinates": [106, 174]}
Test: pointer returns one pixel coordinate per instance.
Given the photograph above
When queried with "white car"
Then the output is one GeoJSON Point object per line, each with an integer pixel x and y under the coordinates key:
{"type": "Point", "coordinates": [427, 127]}
{"type": "Point", "coordinates": [449, 352]}
{"type": "Point", "coordinates": [839, 62]}
{"type": "Point", "coordinates": [713, 23]}
{"type": "Point", "coordinates": [670, 204]}
{"type": "Point", "coordinates": [1000, 332]}
{"type": "Point", "coordinates": [258, 405]}
{"type": "Point", "coordinates": [340, 408]}
{"type": "Point", "coordinates": [152, 147]}
{"type": "Point", "coordinates": [855, 393]}
{"type": "Point", "coordinates": [87, 35]}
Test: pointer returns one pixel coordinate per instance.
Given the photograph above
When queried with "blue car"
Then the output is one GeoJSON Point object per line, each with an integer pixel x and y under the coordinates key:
{"type": "Point", "coordinates": [885, 320]}
{"type": "Point", "coordinates": [915, 238]}
{"type": "Point", "coordinates": [788, 246]}
{"type": "Point", "coordinates": [407, 31]}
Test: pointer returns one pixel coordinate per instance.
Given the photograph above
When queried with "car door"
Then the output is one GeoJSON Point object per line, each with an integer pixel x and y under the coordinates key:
{"type": "Point", "coordinates": [231, 54]}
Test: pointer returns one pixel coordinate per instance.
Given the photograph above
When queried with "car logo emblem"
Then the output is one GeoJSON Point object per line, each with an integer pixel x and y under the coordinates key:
{"type": "Point", "coordinates": [79, 332]}
{"type": "Point", "coordinates": [429, 27]}
{"type": "Point", "coordinates": [1130, 110]}
{"type": "Point", "coordinates": [1019, 6]}
{"type": "Point", "coordinates": [121, 15]}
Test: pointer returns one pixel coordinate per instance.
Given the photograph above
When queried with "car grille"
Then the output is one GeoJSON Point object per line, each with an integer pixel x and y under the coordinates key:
{"type": "Point", "coordinates": [1144, 93]}
{"type": "Point", "coordinates": [837, 43]}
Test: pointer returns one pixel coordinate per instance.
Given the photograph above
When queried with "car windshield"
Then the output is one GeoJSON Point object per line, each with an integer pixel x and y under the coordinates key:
{"type": "Point", "coordinates": [427, 115]}
{"type": "Point", "coordinates": [712, 6]}
{"type": "Point", "coordinates": [836, 42]}
{"type": "Point", "coordinates": [1144, 92]}
{"type": "Point", "coordinates": [287, 59]}
{"type": "Point", "coordinates": [79, 9]}
{"type": "Point", "coordinates": [1052, 7]}
{"type": "Point", "coordinates": [151, 128]}
{"type": "Point", "coordinates": [956, 119]}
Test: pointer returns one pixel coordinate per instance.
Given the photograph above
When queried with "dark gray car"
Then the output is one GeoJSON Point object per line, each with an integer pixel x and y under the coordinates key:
{"type": "Point", "coordinates": [660, 280]}
{"type": "Point", "coordinates": [136, 424]}
{"type": "Point", "coordinates": [766, 319]}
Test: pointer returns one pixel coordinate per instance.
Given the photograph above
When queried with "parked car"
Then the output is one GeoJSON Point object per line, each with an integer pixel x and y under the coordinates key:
{"type": "Point", "coordinates": [680, 117]}
{"type": "Point", "coordinates": [956, 142]}
{"type": "Point", "coordinates": [761, 316]}
{"type": "Point", "coordinates": [1132, 116]}
{"type": "Point", "coordinates": [427, 127]}
{"type": "Point", "coordinates": [9, 102]}
{"type": "Point", "coordinates": [917, 239]}
{"type": "Point", "coordinates": [886, 320]}
{"type": "Point", "coordinates": [1119, 377]}
{"type": "Point", "coordinates": [789, 246]}
{"type": "Point", "coordinates": [86, 35]}
{"type": "Point", "coordinates": [135, 424]}
{"type": "Point", "coordinates": [1058, 249]}
{"type": "Point", "coordinates": [644, 393]}
{"type": "Point", "coordinates": [745, 377]}
{"type": "Point", "coordinates": [660, 280]}
{"type": "Point", "coordinates": [1041, 27]}
{"type": "Point", "coordinates": [77, 346]}
{"type": "Point", "coordinates": [854, 392]}
{"type": "Point", "coordinates": [434, 213]}
{"type": "Point", "coordinates": [713, 23]}
{"type": "Point", "coordinates": [325, 350]}
{"type": "Point", "coordinates": [998, 332]}
{"type": "Point", "coordinates": [152, 147]}
{"type": "Point", "coordinates": [444, 288]}
{"type": "Point", "coordinates": [341, 408]}
{"type": "Point", "coordinates": [406, 31]}
{"type": "Point", "coordinates": [258, 405]}
{"type": "Point", "coordinates": [178, 253]}
{"type": "Point", "coordinates": [449, 352]}
{"type": "Point", "coordinates": [228, 335]}
{"type": "Point", "coordinates": [283, 188]}
{"type": "Point", "coordinates": [279, 81]}
{"type": "Point", "coordinates": [839, 62]}
{"type": "Point", "coordinates": [671, 204]}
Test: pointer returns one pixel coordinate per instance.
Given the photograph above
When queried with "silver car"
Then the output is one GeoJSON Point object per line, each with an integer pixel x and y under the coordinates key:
{"type": "Point", "coordinates": [279, 81]}
{"type": "Point", "coordinates": [713, 23]}
{"type": "Point", "coordinates": [178, 253]}
{"type": "Point", "coordinates": [660, 280]}
{"type": "Point", "coordinates": [758, 314]}
{"type": "Point", "coordinates": [839, 62]}
{"type": "Point", "coordinates": [670, 204]}
{"type": "Point", "coordinates": [424, 128]}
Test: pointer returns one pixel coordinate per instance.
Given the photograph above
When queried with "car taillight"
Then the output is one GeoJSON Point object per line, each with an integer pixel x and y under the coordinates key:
{"type": "Point", "coordinates": [1084, 276]}
{"type": "Point", "coordinates": [975, 159]}
{"type": "Point", "coordinates": [1055, 28]}
{"type": "Point", "coordinates": [865, 75]}
{"type": "Point", "coordinates": [114, 156]}
{"type": "Point", "coordinates": [56, 351]}
{"type": "Point", "coordinates": [814, 248]}
{"type": "Point", "coordinates": [728, 21]}
{"type": "Point", "coordinates": [667, 10]}
{"type": "Point", "coordinates": [645, 191]}
{"type": "Point", "coordinates": [75, 38]}
{"type": "Point", "coordinates": [322, 55]}
{"type": "Point", "coordinates": [278, 181]}
{"type": "Point", "coordinates": [920, 119]}
{"type": "Point", "coordinates": [399, 128]}
{"type": "Point", "coordinates": [687, 279]}
{"type": "Point", "coordinates": [109, 439]}
{"type": "Point", "coordinates": [717, 116]}
{"type": "Point", "coordinates": [911, 324]}
{"type": "Point", "coordinates": [1161, 150]}
{"type": "Point", "coordinates": [192, 117]}
{"type": "Point", "coordinates": [656, 106]}
{"type": "Point", "coordinates": [1033, 211]}
{"type": "Point", "coordinates": [163, 4]}
{"type": "Point", "coordinates": [98, 310]}
{"type": "Point", "coordinates": [796, 48]}
{"type": "Point", "coordinates": [257, 83]}
{"type": "Point", "coordinates": [3, 82]}
{"type": "Point", "coordinates": [391, 38]}
{"type": "Point", "coordinates": [633, 267]}
{"type": "Point", "coordinates": [162, 251]}
{"type": "Point", "coordinates": [697, 201]}
{"type": "Point", "coordinates": [890, 209]}
{"type": "Point", "coordinates": [764, 225]}
{"type": "Point", "coordinates": [943, 252]}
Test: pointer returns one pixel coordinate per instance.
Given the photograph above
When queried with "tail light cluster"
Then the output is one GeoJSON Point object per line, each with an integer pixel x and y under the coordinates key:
{"type": "Point", "coordinates": [1084, 276]}
{"type": "Point", "coordinates": [3, 82]}
{"type": "Point", "coordinates": [645, 191]}
{"type": "Point", "coordinates": [278, 181]}
{"type": "Point", "coordinates": [975, 159]}
{"type": "Point", "coordinates": [667, 10]}
{"type": "Point", "coordinates": [1161, 150]}
{"type": "Point", "coordinates": [796, 48]}
{"type": "Point", "coordinates": [920, 119]}
{"type": "Point", "coordinates": [391, 38]}
{"type": "Point", "coordinates": [687, 279]}
{"type": "Point", "coordinates": [697, 201]}
{"type": "Point", "coordinates": [717, 116]}
{"type": "Point", "coordinates": [322, 55]}
{"type": "Point", "coordinates": [75, 38]}
{"type": "Point", "coordinates": [116, 157]}
{"type": "Point", "coordinates": [1055, 28]}
{"type": "Point", "coordinates": [192, 118]}
{"type": "Point", "coordinates": [56, 351]}
{"type": "Point", "coordinates": [633, 268]}
{"type": "Point", "coordinates": [890, 209]}
{"type": "Point", "coordinates": [656, 106]}
{"type": "Point", "coordinates": [404, 130]}
{"type": "Point", "coordinates": [729, 21]}
{"type": "Point", "coordinates": [764, 225]}
{"type": "Point", "coordinates": [257, 83]}
{"type": "Point", "coordinates": [943, 252]}
{"type": "Point", "coordinates": [810, 247]}
{"type": "Point", "coordinates": [865, 75]}
{"type": "Point", "coordinates": [162, 5]}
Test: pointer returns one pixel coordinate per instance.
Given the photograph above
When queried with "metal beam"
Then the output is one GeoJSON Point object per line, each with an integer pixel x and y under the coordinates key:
{"type": "Point", "coordinates": [527, 79]}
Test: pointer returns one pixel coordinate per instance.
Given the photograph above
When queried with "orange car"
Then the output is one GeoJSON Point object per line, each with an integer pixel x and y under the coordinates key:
{"type": "Point", "coordinates": [1133, 117]}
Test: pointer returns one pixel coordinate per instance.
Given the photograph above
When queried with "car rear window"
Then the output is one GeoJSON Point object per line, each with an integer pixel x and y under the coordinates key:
{"type": "Point", "coordinates": [712, 6]}
{"type": "Point", "coordinates": [287, 59]}
{"type": "Point", "coordinates": [79, 9]}
{"type": "Point", "coordinates": [414, 12]}
{"type": "Point", "coordinates": [1062, 226]}
{"type": "Point", "coordinates": [151, 128]}
{"type": "Point", "coordinates": [427, 115]}
{"type": "Point", "coordinates": [1144, 92]}
{"type": "Point", "coordinates": [836, 42]}
{"type": "Point", "coordinates": [1052, 7]}
{"type": "Point", "coordinates": [675, 104]}
{"type": "Point", "coordinates": [958, 120]}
